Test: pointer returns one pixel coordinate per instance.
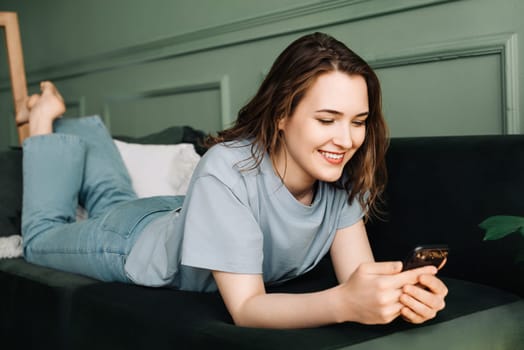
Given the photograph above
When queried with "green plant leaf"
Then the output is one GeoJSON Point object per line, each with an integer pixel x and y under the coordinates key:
{"type": "Point", "coordinates": [502, 225]}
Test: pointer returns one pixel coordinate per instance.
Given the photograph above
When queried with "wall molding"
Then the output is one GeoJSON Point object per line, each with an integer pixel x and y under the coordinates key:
{"type": "Point", "coordinates": [221, 84]}
{"type": "Point", "coordinates": [78, 103]}
{"type": "Point", "coordinates": [274, 24]}
{"type": "Point", "coordinates": [504, 45]}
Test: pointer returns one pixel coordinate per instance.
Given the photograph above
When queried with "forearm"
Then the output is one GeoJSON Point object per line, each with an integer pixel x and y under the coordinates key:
{"type": "Point", "coordinates": [370, 296]}
{"type": "Point", "coordinates": [289, 310]}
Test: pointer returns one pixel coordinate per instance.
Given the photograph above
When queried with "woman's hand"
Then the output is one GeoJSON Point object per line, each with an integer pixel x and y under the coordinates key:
{"type": "Point", "coordinates": [422, 301]}
{"type": "Point", "coordinates": [379, 292]}
{"type": "Point", "coordinates": [373, 294]}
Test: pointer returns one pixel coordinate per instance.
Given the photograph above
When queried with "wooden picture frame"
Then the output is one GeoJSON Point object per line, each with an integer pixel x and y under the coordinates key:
{"type": "Point", "coordinates": [15, 58]}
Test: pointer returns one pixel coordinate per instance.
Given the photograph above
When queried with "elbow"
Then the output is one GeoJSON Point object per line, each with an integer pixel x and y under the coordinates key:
{"type": "Point", "coordinates": [240, 322]}
{"type": "Point", "coordinates": [247, 316]}
{"type": "Point", "coordinates": [240, 315]}
{"type": "Point", "coordinates": [242, 319]}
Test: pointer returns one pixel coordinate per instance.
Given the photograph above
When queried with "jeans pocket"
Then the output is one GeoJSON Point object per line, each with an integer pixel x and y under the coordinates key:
{"type": "Point", "coordinates": [124, 218]}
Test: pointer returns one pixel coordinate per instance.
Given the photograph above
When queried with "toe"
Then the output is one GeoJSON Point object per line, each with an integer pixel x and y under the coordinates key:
{"type": "Point", "coordinates": [32, 100]}
{"type": "Point", "coordinates": [49, 87]}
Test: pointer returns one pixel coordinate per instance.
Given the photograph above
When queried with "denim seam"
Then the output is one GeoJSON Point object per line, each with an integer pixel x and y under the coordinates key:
{"type": "Point", "coordinates": [65, 252]}
{"type": "Point", "coordinates": [138, 222]}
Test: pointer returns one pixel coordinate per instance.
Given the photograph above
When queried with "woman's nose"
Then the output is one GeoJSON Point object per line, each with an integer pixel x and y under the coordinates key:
{"type": "Point", "coordinates": [343, 137]}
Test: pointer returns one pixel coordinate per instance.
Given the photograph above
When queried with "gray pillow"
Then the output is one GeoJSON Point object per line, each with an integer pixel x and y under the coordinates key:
{"type": "Point", "coordinates": [170, 136]}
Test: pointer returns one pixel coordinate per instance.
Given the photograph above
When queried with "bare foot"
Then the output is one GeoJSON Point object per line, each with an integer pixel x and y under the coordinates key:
{"type": "Point", "coordinates": [49, 104]}
{"type": "Point", "coordinates": [44, 109]}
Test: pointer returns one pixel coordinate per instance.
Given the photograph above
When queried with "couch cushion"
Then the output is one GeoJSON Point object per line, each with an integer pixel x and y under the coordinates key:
{"type": "Point", "coordinates": [494, 328]}
{"type": "Point", "coordinates": [35, 304]}
{"type": "Point", "coordinates": [136, 317]}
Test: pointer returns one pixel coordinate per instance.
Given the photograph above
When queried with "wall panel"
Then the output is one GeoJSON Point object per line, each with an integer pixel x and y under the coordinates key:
{"type": "Point", "coordinates": [452, 97]}
{"type": "Point", "coordinates": [196, 105]}
{"type": "Point", "coordinates": [75, 107]}
{"type": "Point", "coordinates": [447, 67]}
{"type": "Point", "coordinates": [480, 88]}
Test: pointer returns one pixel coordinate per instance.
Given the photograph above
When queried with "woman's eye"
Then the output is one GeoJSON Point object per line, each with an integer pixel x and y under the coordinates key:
{"type": "Point", "coordinates": [359, 122]}
{"type": "Point", "coordinates": [325, 121]}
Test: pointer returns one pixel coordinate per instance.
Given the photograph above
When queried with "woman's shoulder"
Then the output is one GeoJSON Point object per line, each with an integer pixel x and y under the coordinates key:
{"type": "Point", "coordinates": [230, 147]}
{"type": "Point", "coordinates": [226, 157]}
{"type": "Point", "coordinates": [229, 151]}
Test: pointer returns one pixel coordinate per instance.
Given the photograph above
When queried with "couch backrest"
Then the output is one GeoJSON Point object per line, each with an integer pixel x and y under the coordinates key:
{"type": "Point", "coordinates": [440, 189]}
{"type": "Point", "coordinates": [10, 192]}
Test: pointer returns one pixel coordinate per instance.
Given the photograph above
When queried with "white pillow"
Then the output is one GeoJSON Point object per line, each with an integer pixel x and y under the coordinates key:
{"type": "Point", "coordinates": [159, 169]}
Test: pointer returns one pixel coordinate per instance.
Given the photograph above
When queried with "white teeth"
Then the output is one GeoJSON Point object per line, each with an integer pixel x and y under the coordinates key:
{"type": "Point", "coordinates": [332, 155]}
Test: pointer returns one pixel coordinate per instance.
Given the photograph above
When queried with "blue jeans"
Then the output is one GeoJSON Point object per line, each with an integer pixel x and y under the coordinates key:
{"type": "Point", "coordinates": [80, 164]}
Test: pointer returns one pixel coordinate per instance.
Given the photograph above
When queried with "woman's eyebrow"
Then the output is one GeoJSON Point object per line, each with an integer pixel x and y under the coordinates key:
{"type": "Point", "coordinates": [335, 112]}
{"type": "Point", "coordinates": [330, 111]}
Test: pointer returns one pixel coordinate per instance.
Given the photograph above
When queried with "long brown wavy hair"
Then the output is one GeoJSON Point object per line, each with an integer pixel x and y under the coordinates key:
{"type": "Point", "coordinates": [292, 74]}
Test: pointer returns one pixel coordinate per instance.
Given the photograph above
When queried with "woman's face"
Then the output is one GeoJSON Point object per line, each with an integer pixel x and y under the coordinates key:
{"type": "Point", "coordinates": [324, 132]}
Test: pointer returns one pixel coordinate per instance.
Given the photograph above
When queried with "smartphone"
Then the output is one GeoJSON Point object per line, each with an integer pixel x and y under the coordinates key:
{"type": "Point", "coordinates": [423, 255]}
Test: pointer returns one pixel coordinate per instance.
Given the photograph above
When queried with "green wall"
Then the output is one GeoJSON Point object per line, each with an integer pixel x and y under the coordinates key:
{"type": "Point", "coordinates": [447, 67]}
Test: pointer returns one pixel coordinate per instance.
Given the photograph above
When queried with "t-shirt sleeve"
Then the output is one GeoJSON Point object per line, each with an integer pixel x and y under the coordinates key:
{"type": "Point", "coordinates": [220, 232]}
{"type": "Point", "coordinates": [350, 214]}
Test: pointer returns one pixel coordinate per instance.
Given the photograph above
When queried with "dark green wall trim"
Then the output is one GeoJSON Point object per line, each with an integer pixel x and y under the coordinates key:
{"type": "Point", "coordinates": [278, 23]}
{"type": "Point", "coordinates": [503, 45]}
{"type": "Point", "coordinates": [221, 85]}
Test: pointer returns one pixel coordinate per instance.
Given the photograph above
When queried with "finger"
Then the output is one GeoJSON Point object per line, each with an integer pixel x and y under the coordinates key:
{"type": "Point", "coordinates": [389, 313]}
{"type": "Point", "coordinates": [428, 269]}
{"type": "Point", "coordinates": [434, 284]}
{"type": "Point", "coordinates": [382, 268]}
{"type": "Point", "coordinates": [423, 312]}
{"type": "Point", "coordinates": [442, 263]}
{"type": "Point", "coordinates": [428, 298]}
{"type": "Point", "coordinates": [387, 297]}
{"type": "Point", "coordinates": [412, 276]}
{"type": "Point", "coordinates": [410, 316]}
{"type": "Point", "coordinates": [394, 311]}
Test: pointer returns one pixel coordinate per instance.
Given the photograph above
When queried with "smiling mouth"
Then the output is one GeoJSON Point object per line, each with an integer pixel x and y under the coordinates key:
{"type": "Point", "coordinates": [333, 158]}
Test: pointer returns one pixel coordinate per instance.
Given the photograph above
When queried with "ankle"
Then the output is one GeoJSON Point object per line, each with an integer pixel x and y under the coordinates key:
{"type": "Point", "coordinates": [40, 126]}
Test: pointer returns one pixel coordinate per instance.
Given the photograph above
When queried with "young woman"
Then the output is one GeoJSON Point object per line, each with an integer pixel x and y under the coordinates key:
{"type": "Point", "coordinates": [291, 181]}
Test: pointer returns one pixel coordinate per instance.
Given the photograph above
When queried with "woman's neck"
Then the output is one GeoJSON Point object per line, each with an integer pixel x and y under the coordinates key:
{"type": "Point", "coordinates": [303, 190]}
{"type": "Point", "coordinates": [305, 197]}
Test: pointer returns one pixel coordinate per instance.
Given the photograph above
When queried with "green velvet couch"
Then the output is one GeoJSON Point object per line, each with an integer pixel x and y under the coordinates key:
{"type": "Point", "coordinates": [440, 189]}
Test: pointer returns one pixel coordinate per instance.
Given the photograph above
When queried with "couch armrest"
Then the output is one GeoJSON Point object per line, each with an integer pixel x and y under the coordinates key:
{"type": "Point", "coordinates": [10, 191]}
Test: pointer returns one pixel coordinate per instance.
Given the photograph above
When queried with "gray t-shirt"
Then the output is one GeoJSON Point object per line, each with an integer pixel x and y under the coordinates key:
{"type": "Point", "coordinates": [240, 220]}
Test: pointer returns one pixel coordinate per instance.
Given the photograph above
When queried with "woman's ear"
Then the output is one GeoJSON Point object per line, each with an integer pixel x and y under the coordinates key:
{"type": "Point", "coordinates": [282, 121]}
